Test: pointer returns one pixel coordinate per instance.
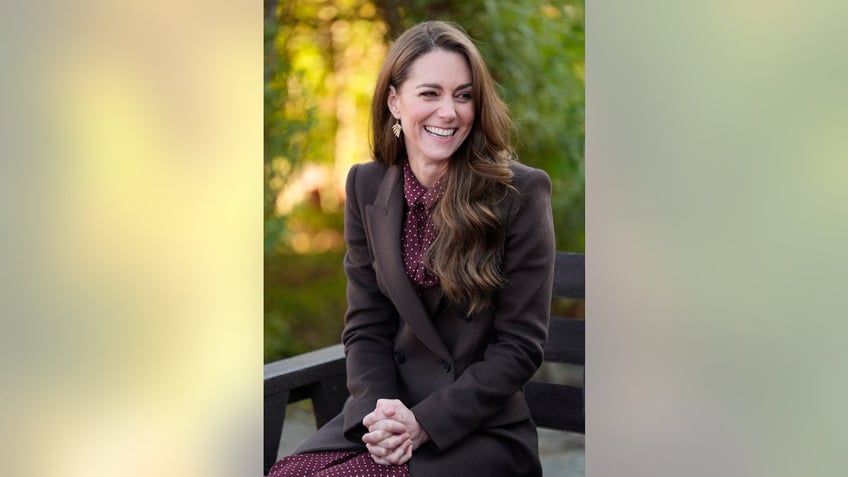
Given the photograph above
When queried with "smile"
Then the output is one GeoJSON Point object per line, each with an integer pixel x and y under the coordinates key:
{"type": "Point", "coordinates": [439, 131]}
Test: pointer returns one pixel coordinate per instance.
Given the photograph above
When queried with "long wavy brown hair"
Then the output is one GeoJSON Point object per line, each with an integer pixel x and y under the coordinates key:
{"type": "Point", "coordinates": [467, 253]}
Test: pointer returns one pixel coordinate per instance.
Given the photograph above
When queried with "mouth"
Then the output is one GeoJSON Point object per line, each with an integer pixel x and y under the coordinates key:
{"type": "Point", "coordinates": [439, 132]}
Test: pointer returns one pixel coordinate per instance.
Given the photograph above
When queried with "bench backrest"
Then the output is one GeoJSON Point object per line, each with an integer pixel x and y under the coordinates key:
{"type": "Point", "coordinates": [559, 405]}
{"type": "Point", "coordinates": [320, 375]}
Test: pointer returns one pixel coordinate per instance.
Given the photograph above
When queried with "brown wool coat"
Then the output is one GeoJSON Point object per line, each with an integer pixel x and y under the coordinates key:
{"type": "Point", "coordinates": [461, 376]}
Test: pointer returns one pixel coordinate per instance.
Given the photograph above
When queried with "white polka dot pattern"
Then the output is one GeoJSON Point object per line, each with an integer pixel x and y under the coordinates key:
{"type": "Point", "coordinates": [418, 229]}
{"type": "Point", "coordinates": [335, 464]}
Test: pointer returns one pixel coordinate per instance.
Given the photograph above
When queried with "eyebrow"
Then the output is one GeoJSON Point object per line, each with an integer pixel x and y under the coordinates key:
{"type": "Point", "coordinates": [438, 86]}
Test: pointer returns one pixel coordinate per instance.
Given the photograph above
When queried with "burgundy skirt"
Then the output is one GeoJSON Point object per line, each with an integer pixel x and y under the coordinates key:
{"type": "Point", "coordinates": [335, 464]}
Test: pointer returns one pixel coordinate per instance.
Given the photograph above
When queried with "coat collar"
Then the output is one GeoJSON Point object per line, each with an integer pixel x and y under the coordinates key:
{"type": "Point", "coordinates": [385, 219]}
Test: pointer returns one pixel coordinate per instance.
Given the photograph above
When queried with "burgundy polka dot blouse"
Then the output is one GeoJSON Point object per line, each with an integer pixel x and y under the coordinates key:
{"type": "Point", "coordinates": [418, 230]}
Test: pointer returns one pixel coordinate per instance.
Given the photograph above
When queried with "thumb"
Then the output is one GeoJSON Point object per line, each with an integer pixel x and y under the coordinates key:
{"type": "Point", "coordinates": [388, 407]}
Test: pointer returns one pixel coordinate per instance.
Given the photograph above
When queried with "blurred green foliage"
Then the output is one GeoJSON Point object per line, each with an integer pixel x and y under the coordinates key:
{"type": "Point", "coordinates": [304, 308]}
{"type": "Point", "coordinates": [321, 58]}
{"type": "Point", "coordinates": [283, 134]}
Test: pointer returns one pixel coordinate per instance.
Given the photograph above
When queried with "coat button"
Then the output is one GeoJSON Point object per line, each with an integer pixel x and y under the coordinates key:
{"type": "Point", "coordinates": [400, 358]}
{"type": "Point", "coordinates": [446, 367]}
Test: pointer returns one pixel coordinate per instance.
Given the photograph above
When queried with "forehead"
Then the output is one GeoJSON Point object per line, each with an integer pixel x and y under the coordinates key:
{"type": "Point", "coordinates": [442, 67]}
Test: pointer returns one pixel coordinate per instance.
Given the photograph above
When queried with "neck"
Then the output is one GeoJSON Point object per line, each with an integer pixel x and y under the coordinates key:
{"type": "Point", "coordinates": [428, 173]}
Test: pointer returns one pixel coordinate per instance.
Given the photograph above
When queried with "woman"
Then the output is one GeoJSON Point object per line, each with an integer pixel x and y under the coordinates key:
{"type": "Point", "coordinates": [449, 262]}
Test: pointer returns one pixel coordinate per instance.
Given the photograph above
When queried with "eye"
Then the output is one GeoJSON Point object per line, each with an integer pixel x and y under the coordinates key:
{"type": "Point", "coordinates": [466, 96]}
{"type": "Point", "coordinates": [428, 94]}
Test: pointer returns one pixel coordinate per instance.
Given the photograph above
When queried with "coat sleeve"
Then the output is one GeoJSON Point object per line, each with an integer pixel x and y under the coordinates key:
{"type": "Point", "coordinates": [370, 322]}
{"type": "Point", "coordinates": [519, 328]}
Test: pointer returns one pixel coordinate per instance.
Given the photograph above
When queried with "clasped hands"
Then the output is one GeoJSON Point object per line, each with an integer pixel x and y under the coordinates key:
{"type": "Point", "coordinates": [393, 433]}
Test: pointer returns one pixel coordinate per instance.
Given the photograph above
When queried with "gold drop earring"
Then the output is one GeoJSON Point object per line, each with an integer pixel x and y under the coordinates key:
{"type": "Point", "coordinates": [396, 129]}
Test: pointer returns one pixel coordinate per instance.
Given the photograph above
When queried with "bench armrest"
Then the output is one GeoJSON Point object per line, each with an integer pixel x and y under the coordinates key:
{"type": "Point", "coordinates": [318, 375]}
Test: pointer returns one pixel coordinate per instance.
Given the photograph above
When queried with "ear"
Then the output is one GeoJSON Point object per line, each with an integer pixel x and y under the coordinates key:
{"type": "Point", "coordinates": [392, 102]}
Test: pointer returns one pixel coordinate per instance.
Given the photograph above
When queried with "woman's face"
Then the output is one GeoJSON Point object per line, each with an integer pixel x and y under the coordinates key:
{"type": "Point", "coordinates": [435, 107]}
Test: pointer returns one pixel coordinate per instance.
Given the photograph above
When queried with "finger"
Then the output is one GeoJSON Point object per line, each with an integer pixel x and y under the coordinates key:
{"type": "Point", "coordinates": [379, 411]}
{"type": "Point", "coordinates": [373, 417]}
{"type": "Point", "coordinates": [409, 452]}
{"type": "Point", "coordinates": [377, 451]}
{"type": "Point", "coordinates": [397, 456]}
{"type": "Point", "coordinates": [408, 455]}
{"type": "Point", "coordinates": [389, 444]}
{"type": "Point", "coordinates": [387, 402]}
{"type": "Point", "coordinates": [375, 436]}
{"type": "Point", "coordinates": [381, 438]}
{"type": "Point", "coordinates": [381, 460]}
{"type": "Point", "coordinates": [388, 425]}
{"type": "Point", "coordinates": [393, 441]}
{"type": "Point", "coordinates": [387, 406]}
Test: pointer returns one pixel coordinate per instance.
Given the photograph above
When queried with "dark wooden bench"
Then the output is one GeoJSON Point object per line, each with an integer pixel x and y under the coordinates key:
{"type": "Point", "coordinates": [320, 375]}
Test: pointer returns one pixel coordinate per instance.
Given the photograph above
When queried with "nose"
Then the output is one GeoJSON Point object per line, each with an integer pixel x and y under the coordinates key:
{"type": "Point", "coordinates": [447, 110]}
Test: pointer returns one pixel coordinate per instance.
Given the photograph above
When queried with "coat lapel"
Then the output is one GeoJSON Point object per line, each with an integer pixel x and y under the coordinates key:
{"type": "Point", "coordinates": [384, 223]}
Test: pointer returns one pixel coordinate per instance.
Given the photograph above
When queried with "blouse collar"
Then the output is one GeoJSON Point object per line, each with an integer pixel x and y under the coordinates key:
{"type": "Point", "coordinates": [415, 193]}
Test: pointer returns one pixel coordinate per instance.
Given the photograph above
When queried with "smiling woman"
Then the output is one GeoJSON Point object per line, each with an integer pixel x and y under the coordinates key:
{"type": "Point", "coordinates": [435, 110]}
{"type": "Point", "coordinates": [449, 263]}
{"type": "Point", "coordinates": [434, 73]}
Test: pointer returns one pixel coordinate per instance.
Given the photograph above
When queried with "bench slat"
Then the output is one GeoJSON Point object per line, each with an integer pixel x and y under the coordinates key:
{"type": "Point", "coordinates": [569, 275]}
{"type": "Point", "coordinates": [556, 406]}
{"type": "Point", "coordinates": [566, 341]}
{"type": "Point", "coordinates": [304, 369]}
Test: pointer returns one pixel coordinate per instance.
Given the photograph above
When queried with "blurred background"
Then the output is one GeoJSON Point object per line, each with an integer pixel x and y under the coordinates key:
{"type": "Point", "coordinates": [321, 63]}
{"type": "Point", "coordinates": [131, 302]}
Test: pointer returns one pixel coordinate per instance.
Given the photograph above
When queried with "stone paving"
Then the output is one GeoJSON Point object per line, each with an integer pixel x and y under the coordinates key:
{"type": "Point", "coordinates": [562, 453]}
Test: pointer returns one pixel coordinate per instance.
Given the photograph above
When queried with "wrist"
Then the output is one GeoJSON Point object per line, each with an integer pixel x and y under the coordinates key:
{"type": "Point", "coordinates": [419, 437]}
{"type": "Point", "coordinates": [422, 438]}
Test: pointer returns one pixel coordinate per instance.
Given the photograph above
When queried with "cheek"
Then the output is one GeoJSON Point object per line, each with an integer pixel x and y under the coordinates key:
{"type": "Point", "coordinates": [469, 123]}
{"type": "Point", "coordinates": [419, 113]}
{"type": "Point", "coordinates": [468, 114]}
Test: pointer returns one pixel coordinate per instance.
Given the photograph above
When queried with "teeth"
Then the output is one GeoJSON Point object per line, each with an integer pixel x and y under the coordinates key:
{"type": "Point", "coordinates": [440, 131]}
